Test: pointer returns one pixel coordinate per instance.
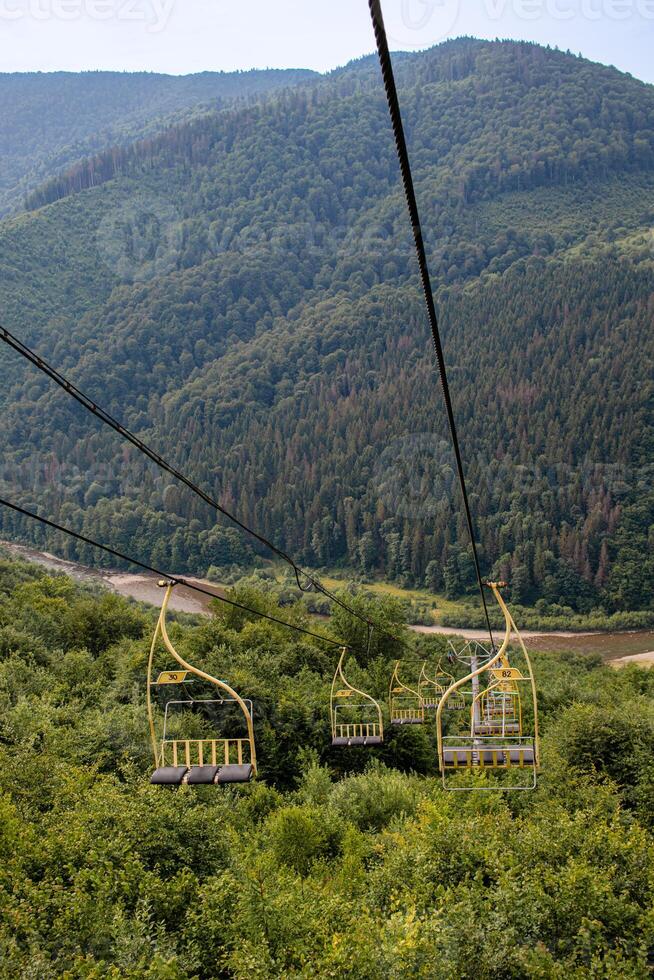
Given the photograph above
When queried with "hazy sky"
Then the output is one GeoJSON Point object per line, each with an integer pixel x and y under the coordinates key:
{"type": "Point", "coordinates": [180, 36]}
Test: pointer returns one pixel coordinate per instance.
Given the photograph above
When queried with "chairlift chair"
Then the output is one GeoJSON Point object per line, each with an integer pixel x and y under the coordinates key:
{"type": "Point", "coordinates": [405, 704]}
{"type": "Point", "coordinates": [496, 740]}
{"type": "Point", "coordinates": [356, 718]}
{"type": "Point", "coordinates": [499, 711]}
{"type": "Point", "coordinates": [210, 759]}
{"type": "Point", "coordinates": [431, 689]}
{"type": "Point", "coordinates": [456, 702]}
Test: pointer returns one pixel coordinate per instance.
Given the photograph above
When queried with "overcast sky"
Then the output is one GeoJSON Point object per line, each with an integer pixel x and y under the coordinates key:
{"type": "Point", "coordinates": [181, 36]}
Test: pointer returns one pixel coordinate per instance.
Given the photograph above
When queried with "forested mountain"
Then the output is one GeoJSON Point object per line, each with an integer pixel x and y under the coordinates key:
{"type": "Point", "coordinates": [241, 291]}
{"type": "Point", "coordinates": [50, 120]}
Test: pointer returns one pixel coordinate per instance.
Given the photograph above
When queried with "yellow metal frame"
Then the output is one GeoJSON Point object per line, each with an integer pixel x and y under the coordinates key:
{"type": "Point", "coordinates": [218, 751]}
{"type": "Point", "coordinates": [504, 678]}
{"type": "Point", "coordinates": [339, 696]}
{"type": "Point", "coordinates": [400, 692]}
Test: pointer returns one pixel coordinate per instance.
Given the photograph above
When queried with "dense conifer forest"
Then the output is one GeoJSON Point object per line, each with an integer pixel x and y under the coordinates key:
{"type": "Point", "coordinates": [50, 120]}
{"type": "Point", "coordinates": [240, 290]}
{"type": "Point", "coordinates": [329, 864]}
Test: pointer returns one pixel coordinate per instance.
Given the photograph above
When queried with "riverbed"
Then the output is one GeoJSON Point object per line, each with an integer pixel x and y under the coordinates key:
{"type": "Point", "coordinates": [636, 645]}
{"type": "Point", "coordinates": [141, 586]}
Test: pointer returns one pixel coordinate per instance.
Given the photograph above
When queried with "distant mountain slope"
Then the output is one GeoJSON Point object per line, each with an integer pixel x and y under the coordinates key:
{"type": "Point", "coordinates": [48, 121]}
{"type": "Point", "coordinates": [241, 290]}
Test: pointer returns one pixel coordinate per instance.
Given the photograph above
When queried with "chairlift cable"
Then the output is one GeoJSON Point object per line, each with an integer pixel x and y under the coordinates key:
{"type": "Point", "coordinates": [386, 64]}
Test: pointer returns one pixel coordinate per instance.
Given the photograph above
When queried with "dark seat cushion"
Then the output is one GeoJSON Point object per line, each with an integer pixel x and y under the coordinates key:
{"type": "Point", "coordinates": [365, 740]}
{"type": "Point", "coordinates": [518, 754]}
{"type": "Point", "coordinates": [202, 775]}
{"type": "Point", "coordinates": [235, 774]}
{"type": "Point", "coordinates": [457, 754]}
{"type": "Point", "coordinates": [168, 775]}
{"type": "Point", "coordinates": [407, 721]}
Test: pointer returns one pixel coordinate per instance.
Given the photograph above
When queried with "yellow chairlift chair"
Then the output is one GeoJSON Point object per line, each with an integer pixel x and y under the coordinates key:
{"type": "Point", "coordinates": [212, 758]}
{"type": "Point", "coordinates": [431, 689]}
{"type": "Point", "coordinates": [497, 710]}
{"type": "Point", "coordinates": [405, 704]}
{"type": "Point", "coordinates": [457, 700]}
{"type": "Point", "coordinates": [356, 717]}
{"type": "Point", "coordinates": [496, 740]}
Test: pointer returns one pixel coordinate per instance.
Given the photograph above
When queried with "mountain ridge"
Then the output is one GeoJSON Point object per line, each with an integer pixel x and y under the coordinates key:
{"type": "Point", "coordinates": [48, 120]}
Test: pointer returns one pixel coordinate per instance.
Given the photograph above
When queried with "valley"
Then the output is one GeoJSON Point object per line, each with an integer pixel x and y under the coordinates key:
{"type": "Point", "coordinates": [622, 647]}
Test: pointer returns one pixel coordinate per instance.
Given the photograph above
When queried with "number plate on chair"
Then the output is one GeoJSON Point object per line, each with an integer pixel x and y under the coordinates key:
{"type": "Point", "coordinates": [172, 677]}
{"type": "Point", "coordinates": [507, 674]}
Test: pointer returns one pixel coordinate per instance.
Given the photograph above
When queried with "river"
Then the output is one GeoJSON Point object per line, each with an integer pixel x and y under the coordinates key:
{"type": "Point", "coordinates": [618, 648]}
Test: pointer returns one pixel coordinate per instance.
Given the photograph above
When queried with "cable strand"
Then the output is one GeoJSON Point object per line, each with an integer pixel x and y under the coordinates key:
{"type": "Point", "coordinates": [388, 76]}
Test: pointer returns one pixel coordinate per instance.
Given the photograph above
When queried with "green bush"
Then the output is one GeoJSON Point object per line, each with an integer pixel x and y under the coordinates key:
{"type": "Point", "coordinates": [331, 864]}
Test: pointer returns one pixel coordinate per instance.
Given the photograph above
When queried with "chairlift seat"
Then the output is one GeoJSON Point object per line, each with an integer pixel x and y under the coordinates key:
{"type": "Point", "coordinates": [489, 756]}
{"type": "Point", "coordinates": [234, 774]}
{"type": "Point", "coordinates": [365, 740]}
{"type": "Point", "coordinates": [457, 755]}
{"type": "Point", "coordinates": [464, 755]}
{"type": "Point", "coordinates": [202, 775]}
{"type": "Point", "coordinates": [407, 721]}
{"type": "Point", "coordinates": [168, 775]}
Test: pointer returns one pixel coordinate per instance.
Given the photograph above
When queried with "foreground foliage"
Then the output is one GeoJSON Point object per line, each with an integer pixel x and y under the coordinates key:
{"type": "Point", "coordinates": [327, 866]}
